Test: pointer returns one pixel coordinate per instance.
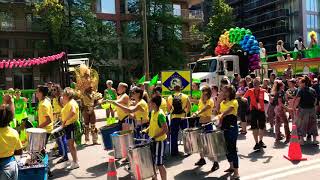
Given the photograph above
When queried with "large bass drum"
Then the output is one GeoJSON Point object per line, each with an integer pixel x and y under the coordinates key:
{"type": "Point", "coordinates": [191, 140]}
{"type": "Point", "coordinates": [213, 144]}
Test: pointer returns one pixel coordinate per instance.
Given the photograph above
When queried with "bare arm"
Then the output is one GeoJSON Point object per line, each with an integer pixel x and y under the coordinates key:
{"type": "Point", "coordinates": [46, 123]}
{"type": "Point", "coordinates": [130, 109]}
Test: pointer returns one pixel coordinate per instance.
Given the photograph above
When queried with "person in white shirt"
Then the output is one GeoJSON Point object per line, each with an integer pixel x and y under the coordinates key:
{"type": "Point", "coordinates": [299, 46]}
{"type": "Point", "coordinates": [263, 58]}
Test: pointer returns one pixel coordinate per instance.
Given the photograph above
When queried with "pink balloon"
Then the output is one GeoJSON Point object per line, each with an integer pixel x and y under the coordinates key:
{"type": "Point", "coordinates": [7, 63]}
{"type": "Point", "coordinates": [1, 65]}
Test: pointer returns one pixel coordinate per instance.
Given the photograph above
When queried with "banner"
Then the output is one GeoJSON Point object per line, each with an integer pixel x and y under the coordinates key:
{"type": "Point", "coordinates": [170, 78]}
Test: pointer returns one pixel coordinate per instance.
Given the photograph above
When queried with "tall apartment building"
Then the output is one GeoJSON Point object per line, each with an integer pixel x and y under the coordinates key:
{"type": "Point", "coordinates": [273, 20]}
{"type": "Point", "coordinates": [125, 17]}
{"type": "Point", "coordinates": [22, 37]}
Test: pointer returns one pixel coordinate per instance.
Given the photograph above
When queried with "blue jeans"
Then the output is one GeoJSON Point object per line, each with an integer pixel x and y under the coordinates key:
{"type": "Point", "coordinates": [62, 146]}
{"type": "Point", "coordinates": [231, 135]}
{"type": "Point", "coordinates": [9, 171]}
{"type": "Point", "coordinates": [175, 126]}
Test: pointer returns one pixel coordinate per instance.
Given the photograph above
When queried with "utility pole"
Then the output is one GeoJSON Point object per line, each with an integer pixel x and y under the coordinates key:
{"type": "Point", "coordinates": [145, 39]}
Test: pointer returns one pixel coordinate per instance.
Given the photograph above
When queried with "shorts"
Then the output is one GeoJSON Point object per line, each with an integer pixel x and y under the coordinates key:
{"type": "Point", "coordinates": [158, 150]}
{"type": "Point", "coordinates": [258, 119]}
{"type": "Point", "coordinates": [128, 120]}
{"type": "Point", "coordinates": [70, 131]}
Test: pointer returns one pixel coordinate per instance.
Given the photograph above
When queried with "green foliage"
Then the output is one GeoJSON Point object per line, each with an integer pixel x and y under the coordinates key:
{"type": "Point", "coordinates": [221, 20]}
{"type": "Point", "coordinates": [52, 18]}
{"type": "Point", "coordinates": [165, 37]}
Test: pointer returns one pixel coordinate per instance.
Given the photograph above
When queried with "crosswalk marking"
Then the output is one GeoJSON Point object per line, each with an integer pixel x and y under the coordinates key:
{"type": "Point", "coordinates": [282, 170]}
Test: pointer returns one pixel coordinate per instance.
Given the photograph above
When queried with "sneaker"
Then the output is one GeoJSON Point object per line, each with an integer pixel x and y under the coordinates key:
{"type": "Point", "coordinates": [262, 144]}
{"type": "Point", "coordinates": [74, 165]}
{"type": "Point", "coordinates": [215, 166]}
{"type": "Point", "coordinates": [256, 147]}
{"type": "Point", "coordinates": [201, 162]}
{"type": "Point", "coordinates": [67, 164]}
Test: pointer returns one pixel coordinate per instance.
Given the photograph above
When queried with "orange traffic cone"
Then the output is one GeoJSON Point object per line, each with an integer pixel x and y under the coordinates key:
{"type": "Point", "coordinates": [112, 172]}
{"type": "Point", "coordinates": [294, 153]}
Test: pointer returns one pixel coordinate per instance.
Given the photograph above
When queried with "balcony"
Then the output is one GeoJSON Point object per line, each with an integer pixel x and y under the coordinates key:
{"type": "Point", "coordinates": [268, 16]}
{"type": "Point", "coordinates": [274, 31]}
{"type": "Point", "coordinates": [186, 14]}
{"type": "Point", "coordinates": [259, 4]}
{"type": "Point", "coordinates": [193, 38]}
{"type": "Point", "coordinates": [20, 25]}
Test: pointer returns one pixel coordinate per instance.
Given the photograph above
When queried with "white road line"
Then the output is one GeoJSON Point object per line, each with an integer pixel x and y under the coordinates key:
{"type": "Point", "coordinates": [292, 172]}
{"type": "Point", "coordinates": [279, 170]}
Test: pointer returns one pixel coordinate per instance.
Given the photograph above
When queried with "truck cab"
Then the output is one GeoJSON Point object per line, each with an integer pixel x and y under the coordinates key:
{"type": "Point", "coordinates": [210, 70]}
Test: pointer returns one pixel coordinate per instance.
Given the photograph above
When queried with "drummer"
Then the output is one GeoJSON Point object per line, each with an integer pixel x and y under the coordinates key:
{"type": "Point", "coordinates": [228, 122]}
{"type": "Point", "coordinates": [45, 111]}
{"type": "Point", "coordinates": [69, 117]}
{"type": "Point", "coordinates": [140, 110]}
{"type": "Point", "coordinates": [157, 91]}
{"type": "Point", "coordinates": [57, 106]}
{"type": "Point", "coordinates": [206, 105]}
{"type": "Point", "coordinates": [123, 99]}
{"type": "Point", "coordinates": [157, 130]}
{"type": "Point", "coordinates": [10, 145]}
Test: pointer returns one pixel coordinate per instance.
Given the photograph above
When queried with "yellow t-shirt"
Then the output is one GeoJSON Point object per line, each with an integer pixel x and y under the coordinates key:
{"type": "Point", "coordinates": [142, 115]}
{"type": "Point", "coordinates": [184, 99]}
{"type": "Point", "coordinates": [9, 142]}
{"type": "Point", "coordinates": [156, 122]}
{"type": "Point", "coordinates": [45, 109]}
{"type": "Point", "coordinates": [208, 112]}
{"type": "Point", "coordinates": [225, 105]}
{"type": "Point", "coordinates": [164, 106]}
{"type": "Point", "coordinates": [121, 114]}
{"type": "Point", "coordinates": [67, 109]}
{"type": "Point", "coordinates": [56, 108]}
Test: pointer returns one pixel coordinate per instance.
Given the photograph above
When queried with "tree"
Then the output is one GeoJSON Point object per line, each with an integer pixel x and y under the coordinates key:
{"type": "Point", "coordinates": [165, 36]}
{"type": "Point", "coordinates": [222, 19]}
{"type": "Point", "coordinates": [77, 31]}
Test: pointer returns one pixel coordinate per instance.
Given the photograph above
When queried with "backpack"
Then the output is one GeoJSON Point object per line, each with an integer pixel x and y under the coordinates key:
{"type": "Point", "coordinates": [177, 104]}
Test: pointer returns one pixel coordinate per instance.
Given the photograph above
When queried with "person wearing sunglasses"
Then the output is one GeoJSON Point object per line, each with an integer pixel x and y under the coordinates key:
{"type": "Point", "coordinates": [10, 145]}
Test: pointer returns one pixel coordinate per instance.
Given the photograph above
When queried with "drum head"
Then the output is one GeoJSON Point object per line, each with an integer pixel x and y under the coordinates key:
{"type": "Point", "coordinates": [36, 130]}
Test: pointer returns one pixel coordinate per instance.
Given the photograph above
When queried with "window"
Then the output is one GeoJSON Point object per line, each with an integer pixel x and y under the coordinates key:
{"type": "Point", "coordinates": [131, 29]}
{"type": "Point", "coordinates": [106, 6]}
{"type": "Point", "coordinates": [6, 21]}
{"type": "Point", "coordinates": [176, 9]}
{"type": "Point", "coordinates": [129, 6]}
{"type": "Point", "coordinates": [178, 31]}
{"type": "Point", "coordinates": [312, 5]}
{"type": "Point", "coordinates": [229, 65]}
{"type": "Point", "coordinates": [109, 27]}
{"type": "Point", "coordinates": [312, 21]}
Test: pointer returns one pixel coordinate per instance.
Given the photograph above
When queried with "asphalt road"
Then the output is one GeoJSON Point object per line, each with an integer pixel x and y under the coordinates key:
{"type": "Point", "coordinates": [268, 164]}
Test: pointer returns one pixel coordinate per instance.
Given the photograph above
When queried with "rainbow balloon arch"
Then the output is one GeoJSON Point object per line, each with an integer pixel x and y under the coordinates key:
{"type": "Point", "coordinates": [243, 38]}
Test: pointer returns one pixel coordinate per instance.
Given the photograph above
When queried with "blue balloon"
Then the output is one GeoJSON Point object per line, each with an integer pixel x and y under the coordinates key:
{"type": "Point", "coordinates": [250, 41]}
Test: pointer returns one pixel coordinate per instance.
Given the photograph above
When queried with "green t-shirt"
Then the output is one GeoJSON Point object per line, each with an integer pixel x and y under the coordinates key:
{"type": "Point", "coordinates": [109, 94]}
{"type": "Point", "coordinates": [20, 109]}
{"type": "Point", "coordinates": [196, 95]}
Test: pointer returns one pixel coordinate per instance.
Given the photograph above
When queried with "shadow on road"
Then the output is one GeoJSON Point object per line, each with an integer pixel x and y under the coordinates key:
{"type": "Point", "coordinates": [256, 155]}
{"type": "Point", "coordinates": [58, 173]}
{"type": "Point", "coordinates": [173, 161]}
{"type": "Point", "coordinates": [98, 170]}
{"type": "Point", "coordinates": [196, 172]}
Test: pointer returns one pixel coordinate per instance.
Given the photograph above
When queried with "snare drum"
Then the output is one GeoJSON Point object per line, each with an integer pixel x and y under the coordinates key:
{"type": "Point", "coordinates": [141, 161]}
{"type": "Point", "coordinates": [191, 140]}
{"type": "Point", "coordinates": [58, 132]}
{"type": "Point", "coordinates": [213, 144]}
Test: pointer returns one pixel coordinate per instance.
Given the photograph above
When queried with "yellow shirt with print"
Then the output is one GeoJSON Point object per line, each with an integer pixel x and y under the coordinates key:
{"type": "Point", "coordinates": [184, 99]}
{"type": "Point", "coordinates": [44, 110]}
{"type": "Point", "coordinates": [225, 105]}
{"type": "Point", "coordinates": [142, 115]}
{"type": "Point", "coordinates": [156, 122]}
{"type": "Point", "coordinates": [67, 109]}
{"type": "Point", "coordinates": [9, 142]}
{"type": "Point", "coordinates": [208, 112]}
{"type": "Point", "coordinates": [164, 106]}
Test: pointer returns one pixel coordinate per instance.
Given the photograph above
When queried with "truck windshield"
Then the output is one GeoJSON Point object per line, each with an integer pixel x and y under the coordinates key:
{"type": "Point", "coordinates": [206, 66]}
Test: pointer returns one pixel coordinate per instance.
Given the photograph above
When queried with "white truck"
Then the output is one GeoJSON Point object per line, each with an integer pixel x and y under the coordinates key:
{"type": "Point", "coordinates": [210, 70]}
